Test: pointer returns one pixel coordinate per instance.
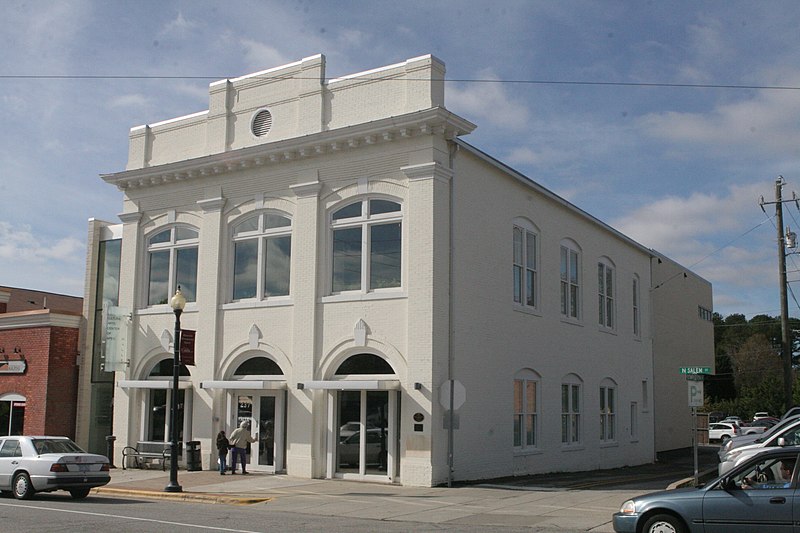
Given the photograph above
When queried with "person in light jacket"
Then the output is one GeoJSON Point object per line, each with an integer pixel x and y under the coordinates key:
{"type": "Point", "coordinates": [239, 439]}
{"type": "Point", "coordinates": [222, 449]}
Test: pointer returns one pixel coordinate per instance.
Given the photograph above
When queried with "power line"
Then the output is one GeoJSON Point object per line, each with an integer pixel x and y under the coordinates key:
{"type": "Point", "coordinates": [379, 78]}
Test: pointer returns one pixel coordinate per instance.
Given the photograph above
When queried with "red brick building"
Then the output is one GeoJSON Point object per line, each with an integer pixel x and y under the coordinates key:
{"type": "Point", "coordinates": [39, 336]}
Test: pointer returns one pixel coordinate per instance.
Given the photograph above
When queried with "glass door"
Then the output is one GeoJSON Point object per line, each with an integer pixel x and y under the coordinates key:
{"type": "Point", "coordinates": [266, 421]}
{"type": "Point", "coordinates": [363, 433]}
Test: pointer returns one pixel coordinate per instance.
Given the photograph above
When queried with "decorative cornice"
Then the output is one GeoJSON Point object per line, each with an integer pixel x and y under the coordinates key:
{"type": "Point", "coordinates": [212, 204]}
{"type": "Point", "coordinates": [432, 170]}
{"type": "Point", "coordinates": [306, 190]}
{"type": "Point", "coordinates": [37, 319]}
{"type": "Point", "coordinates": [434, 121]}
{"type": "Point", "coordinates": [130, 217]}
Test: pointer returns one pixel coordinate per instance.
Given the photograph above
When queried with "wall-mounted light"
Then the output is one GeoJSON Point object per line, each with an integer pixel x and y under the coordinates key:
{"type": "Point", "coordinates": [300, 386]}
{"type": "Point", "coordinates": [417, 386]}
{"type": "Point", "coordinates": [2, 350]}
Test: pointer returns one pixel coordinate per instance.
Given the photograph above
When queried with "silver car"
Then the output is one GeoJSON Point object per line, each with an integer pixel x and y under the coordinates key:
{"type": "Point", "coordinates": [43, 464]}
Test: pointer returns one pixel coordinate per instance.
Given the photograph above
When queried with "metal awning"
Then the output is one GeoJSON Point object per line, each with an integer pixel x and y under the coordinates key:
{"type": "Point", "coordinates": [374, 384]}
{"type": "Point", "coordinates": [151, 384]}
{"type": "Point", "coordinates": [257, 384]}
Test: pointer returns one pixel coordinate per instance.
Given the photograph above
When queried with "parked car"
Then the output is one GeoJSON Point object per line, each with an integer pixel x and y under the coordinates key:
{"type": "Point", "coordinates": [45, 464]}
{"type": "Point", "coordinates": [715, 416]}
{"type": "Point", "coordinates": [761, 414]}
{"type": "Point", "coordinates": [733, 420]}
{"type": "Point", "coordinates": [757, 427]}
{"type": "Point", "coordinates": [744, 440]}
{"type": "Point", "coordinates": [723, 431]}
{"type": "Point", "coordinates": [731, 502]}
{"type": "Point", "coordinates": [788, 436]}
{"type": "Point", "coordinates": [375, 448]}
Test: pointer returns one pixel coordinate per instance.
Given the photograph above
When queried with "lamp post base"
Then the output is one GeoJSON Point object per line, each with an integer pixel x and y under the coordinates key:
{"type": "Point", "coordinates": [173, 487]}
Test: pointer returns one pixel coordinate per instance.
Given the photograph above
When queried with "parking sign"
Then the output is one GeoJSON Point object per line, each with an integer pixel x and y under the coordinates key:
{"type": "Point", "coordinates": [695, 393]}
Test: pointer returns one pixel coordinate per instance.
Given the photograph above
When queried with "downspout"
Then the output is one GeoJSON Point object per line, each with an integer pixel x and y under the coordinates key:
{"type": "Point", "coordinates": [451, 327]}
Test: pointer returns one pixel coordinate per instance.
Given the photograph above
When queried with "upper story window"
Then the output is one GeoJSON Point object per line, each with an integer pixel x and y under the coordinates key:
{"type": "Point", "coordinates": [262, 253]}
{"type": "Point", "coordinates": [367, 246]}
{"type": "Point", "coordinates": [172, 262]}
{"type": "Point", "coordinates": [636, 314]}
{"type": "Point", "coordinates": [570, 280]}
{"type": "Point", "coordinates": [525, 267]}
{"type": "Point", "coordinates": [605, 294]}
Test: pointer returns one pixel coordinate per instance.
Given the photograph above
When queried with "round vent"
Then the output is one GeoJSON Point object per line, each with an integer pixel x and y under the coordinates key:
{"type": "Point", "coordinates": [262, 123]}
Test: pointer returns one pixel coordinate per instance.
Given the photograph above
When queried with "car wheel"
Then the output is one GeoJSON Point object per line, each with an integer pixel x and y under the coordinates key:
{"type": "Point", "coordinates": [663, 523]}
{"type": "Point", "coordinates": [23, 490]}
{"type": "Point", "coordinates": [725, 438]}
{"type": "Point", "coordinates": [79, 494]}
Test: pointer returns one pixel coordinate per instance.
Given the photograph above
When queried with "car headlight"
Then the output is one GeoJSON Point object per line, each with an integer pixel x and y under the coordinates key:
{"type": "Point", "coordinates": [629, 507]}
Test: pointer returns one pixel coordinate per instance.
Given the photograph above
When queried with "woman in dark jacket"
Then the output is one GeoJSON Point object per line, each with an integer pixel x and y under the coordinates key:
{"type": "Point", "coordinates": [222, 448]}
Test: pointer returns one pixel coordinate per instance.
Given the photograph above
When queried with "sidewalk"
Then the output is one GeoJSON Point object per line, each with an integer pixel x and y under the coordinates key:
{"type": "Point", "coordinates": [542, 508]}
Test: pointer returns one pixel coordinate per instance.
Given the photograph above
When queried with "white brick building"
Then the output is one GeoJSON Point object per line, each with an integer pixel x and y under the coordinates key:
{"type": "Point", "coordinates": [345, 255]}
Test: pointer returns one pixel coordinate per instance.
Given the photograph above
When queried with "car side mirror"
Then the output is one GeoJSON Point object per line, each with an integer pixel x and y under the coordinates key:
{"type": "Point", "coordinates": [781, 441]}
{"type": "Point", "coordinates": [728, 484]}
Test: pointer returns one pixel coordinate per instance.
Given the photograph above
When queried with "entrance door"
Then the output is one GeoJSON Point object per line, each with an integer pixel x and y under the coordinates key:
{"type": "Point", "coordinates": [364, 433]}
{"type": "Point", "coordinates": [265, 413]}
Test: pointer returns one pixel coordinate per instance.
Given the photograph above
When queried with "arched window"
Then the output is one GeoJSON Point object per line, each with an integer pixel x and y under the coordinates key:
{"type": "Point", "coordinates": [525, 264]}
{"type": "Point", "coordinates": [262, 256]}
{"type": "Point", "coordinates": [258, 366]}
{"type": "Point", "coordinates": [570, 279]}
{"type": "Point", "coordinates": [526, 409]}
{"type": "Point", "coordinates": [364, 363]}
{"type": "Point", "coordinates": [606, 289]}
{"type": "Point", "coordinates": [571, 401]}
{"type": "Point", "coordinates": [367, 246]}
{"type": "Point", "coordinates": [608, 410]}
{"type": "Point", "coordinates": [172, 262]}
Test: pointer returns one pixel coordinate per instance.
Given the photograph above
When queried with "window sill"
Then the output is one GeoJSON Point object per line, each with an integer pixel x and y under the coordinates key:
{"type": "Point", "coordinates": [609, 444]}
{"type": "Point", "coordinates": [607, 331]}
{"type": "Point", "coordinates": [362, 296]}
{"type": "Point", "coordinates": [165, 309]}
{"type": "Point", "coordinates": [571, 321]}
{"type": "Point", "coordinates": [572, 447]}
{"type": "Point", "coordinates": [525, 309]}
{"type": "Point", "coordinates": [524, 452]}
{"type": "Point", "coordinates": [252, 304]}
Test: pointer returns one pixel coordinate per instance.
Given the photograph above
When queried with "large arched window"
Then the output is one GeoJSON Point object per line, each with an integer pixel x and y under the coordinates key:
{"type": "Point", "coordinates": [172, 262]}
{"type": "Point", "coordinates": [367, 246]}
{"type": "Point", "coordinates": [262, 256]}
{"type": "Point", "coordinates": [606, 293]}
{"type": "Point", "coordinates": [525, 264]}
{"type": "Point", "coordinates": [570, 280]}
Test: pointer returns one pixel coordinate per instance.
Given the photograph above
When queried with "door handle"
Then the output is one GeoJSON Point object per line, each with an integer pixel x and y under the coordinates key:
{"type": "Point", "coordinates": [777, 499]}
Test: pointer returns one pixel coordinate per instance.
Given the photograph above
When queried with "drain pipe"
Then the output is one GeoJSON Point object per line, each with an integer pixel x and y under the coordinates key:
{"type": "Point", "coordinates": [451, 308]}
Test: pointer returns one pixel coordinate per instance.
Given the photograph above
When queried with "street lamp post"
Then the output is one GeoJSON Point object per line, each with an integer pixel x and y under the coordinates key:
{"type": "Point", "coordinates": [178, 302]}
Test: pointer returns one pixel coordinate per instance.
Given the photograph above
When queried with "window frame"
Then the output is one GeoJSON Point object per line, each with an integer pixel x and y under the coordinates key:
{"type": "Point", "coordinates": [173, 246]}
{"type": "Point", "coordinates": [262, 235]}
{"type": "Point", "coordinates": [365, 222]}
{"type": "Point", "coordinates": [525, 278]}
{"type": "Point", "coordinates": [571, 430]}
{"type": "Point", "coordinates": [526, 419]}
{"type": "Point", "coordinates": [570, 281]}
{"type": "Point", "coordinates": [606, 294]}
{"type": "Point", "coordinates": [636, 307]}
{"type": "Point", "coordinates": [608, 412]}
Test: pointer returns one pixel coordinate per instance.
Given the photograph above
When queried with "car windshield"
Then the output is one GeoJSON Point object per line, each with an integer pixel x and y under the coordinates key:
{"type": "Point", "coordinates": [55, 446]}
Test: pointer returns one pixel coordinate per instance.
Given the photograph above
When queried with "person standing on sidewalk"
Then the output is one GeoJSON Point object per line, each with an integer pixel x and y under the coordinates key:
{"type": "Point", "coordinates": [222, 449]}
{"type": "Point", "coordinates": [239, 439]}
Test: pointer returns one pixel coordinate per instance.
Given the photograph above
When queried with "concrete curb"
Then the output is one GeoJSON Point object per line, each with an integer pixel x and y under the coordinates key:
{"type": "Point", "coordinates": [181, 496]}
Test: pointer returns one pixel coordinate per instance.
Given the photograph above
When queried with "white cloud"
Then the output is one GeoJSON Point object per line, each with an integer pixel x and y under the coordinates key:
{"type": "Point", "coordinates": [180, 26]}
{"type": "Point", "coordinates": [488, 102]}
{"type": "Point", "coordinates": [129, 100]}
{"type": "Point", "coordinates": [23, 247]}
{"type": "Point", "coordinates": [258, 54]}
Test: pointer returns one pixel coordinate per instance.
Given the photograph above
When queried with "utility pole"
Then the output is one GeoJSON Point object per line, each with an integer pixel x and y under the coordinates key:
{"type": "Point", "coordinates": [786, 346]}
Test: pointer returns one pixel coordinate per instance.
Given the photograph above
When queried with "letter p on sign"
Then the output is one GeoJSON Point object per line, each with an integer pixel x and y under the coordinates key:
{"type": "Point", "coordinates": [695, 393]}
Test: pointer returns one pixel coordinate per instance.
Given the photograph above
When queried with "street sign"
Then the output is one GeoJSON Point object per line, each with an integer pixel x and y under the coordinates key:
{"type": "Point", "coordinates": [695, 393]}
{"type": "Point", "coordinates": [695, 370]}
{"type": "Point", "coordinates": [459, 394]}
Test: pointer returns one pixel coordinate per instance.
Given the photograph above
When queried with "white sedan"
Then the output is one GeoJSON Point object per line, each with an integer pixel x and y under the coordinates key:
{"type": "Point", "coordinates": [43, 464]}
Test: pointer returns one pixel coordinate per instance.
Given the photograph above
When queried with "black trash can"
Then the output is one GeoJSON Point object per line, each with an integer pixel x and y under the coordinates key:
{"type": "Point", "coordinates": [193, 456]}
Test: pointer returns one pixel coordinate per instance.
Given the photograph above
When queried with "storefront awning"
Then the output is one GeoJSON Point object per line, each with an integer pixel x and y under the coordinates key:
{"type": "Point", "coordinates": [257, 384]}
{"type": "Point", "coordinates": [151, 384]}
{"type": "Point", "coordinates": [383, 384]}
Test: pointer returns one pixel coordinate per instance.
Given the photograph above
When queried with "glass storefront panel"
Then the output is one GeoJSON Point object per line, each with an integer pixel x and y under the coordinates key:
{"type": "Point", "coordinates": [377, 423]}
{"type": "Point", "coordinates": [349, 433]}
{"type": "Point", "coordinates": [266, 434]}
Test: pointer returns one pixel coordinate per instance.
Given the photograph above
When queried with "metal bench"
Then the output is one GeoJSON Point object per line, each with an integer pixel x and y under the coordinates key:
{"type": "Point", "coordinates": [146, 452]}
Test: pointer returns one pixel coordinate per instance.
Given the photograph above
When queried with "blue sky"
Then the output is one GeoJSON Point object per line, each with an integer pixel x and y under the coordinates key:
{"type": "Point", "coordinates": [679, 169]}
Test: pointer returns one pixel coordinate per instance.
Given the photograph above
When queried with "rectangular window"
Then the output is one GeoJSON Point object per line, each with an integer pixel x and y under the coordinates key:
{"type": "Point", "coordinates": [570, 414]}
{"type": "Point", "coordinates": [607, 414]}
{"type": "Point", "coordinates": [605, 290]}
{"type": "Point", "coordinates": [158, 289]}
{"type": "Point", "coordinates": [186, 272]}
{"type": "Point", "coordinates": [384, 255]}
{"type": "Point", "coordinates": [347, 259]}
{"type": "Point", "coordinates": [634, 421]}
{"type": "Point", "coordinates": [278, 255]}
{"type": "Point", "coordinates": [644, 395]}
{"type": "Point", "coordinates": [570, 282]}
{"type": "Point", "coordinates": [518, 265]}
{"type": "Point", "coordinates": [245, 269]}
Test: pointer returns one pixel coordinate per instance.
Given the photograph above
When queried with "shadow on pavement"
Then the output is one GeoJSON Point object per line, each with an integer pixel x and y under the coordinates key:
{"type": "Point", "coordinates": [669, 468]}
